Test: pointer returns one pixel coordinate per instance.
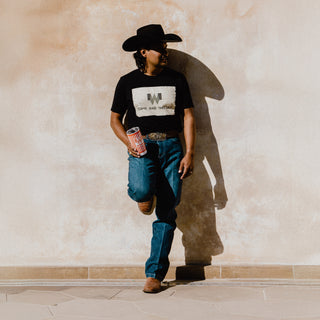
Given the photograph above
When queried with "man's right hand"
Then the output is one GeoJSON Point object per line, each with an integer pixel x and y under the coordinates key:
{"type": "Point", "coordinates": [132, 151]}
{"type": "Point", "coordinates": [119, 130]}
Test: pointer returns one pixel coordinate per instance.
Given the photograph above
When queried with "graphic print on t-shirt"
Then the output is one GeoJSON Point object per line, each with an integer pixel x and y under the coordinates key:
{"type": "Point", "coordinates": [154, 101]}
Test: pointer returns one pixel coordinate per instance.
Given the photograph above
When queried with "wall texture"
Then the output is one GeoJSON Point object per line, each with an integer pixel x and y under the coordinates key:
{"type": "Point", "coordinates": [253, 69]}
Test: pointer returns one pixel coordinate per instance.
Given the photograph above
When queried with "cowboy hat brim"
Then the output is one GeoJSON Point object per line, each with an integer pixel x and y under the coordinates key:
{"type": "Point", "coordinates": [135, 42]}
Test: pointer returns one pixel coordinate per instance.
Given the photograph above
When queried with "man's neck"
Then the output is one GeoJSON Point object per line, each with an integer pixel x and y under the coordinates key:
{"type": "Point", "coordinates": [153, 71]}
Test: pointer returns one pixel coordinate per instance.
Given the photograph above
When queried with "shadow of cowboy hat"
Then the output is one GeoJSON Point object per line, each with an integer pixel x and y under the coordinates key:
{"type": "Point", "coordinates": [149, 34]}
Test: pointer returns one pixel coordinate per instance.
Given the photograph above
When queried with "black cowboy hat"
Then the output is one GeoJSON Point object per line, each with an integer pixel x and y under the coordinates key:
{"type": "Point", "coordinates": [149, 34]}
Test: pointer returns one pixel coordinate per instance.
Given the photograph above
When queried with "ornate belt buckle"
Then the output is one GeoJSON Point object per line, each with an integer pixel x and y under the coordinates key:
{"type": "Point", "coordinates": [157, 136]}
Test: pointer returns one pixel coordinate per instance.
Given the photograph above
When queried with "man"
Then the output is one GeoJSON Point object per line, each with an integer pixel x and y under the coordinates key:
{"type": "Point", "coordinates": [155, 98]}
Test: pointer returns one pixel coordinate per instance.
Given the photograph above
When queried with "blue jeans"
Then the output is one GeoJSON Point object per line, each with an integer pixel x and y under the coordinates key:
{"type": "Point", "coordinates": [156, 173]}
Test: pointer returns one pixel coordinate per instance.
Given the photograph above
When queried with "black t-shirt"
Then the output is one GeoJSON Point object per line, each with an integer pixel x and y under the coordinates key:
{"type": "Point", "coordinates": [152, 103]}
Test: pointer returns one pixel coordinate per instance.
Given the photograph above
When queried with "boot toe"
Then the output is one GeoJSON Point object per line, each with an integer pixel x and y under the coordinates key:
{"type": "Point", "coordinates": [152, 285]}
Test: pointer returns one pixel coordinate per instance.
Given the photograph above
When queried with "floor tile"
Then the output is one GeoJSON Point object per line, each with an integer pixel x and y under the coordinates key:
{"type": "Point", "coordinates": [17, 311]}
{"type": "Point", "coordinates": [278, 309]}
{"type": "Point", "coordinates": [301, 318]}
{"type": "Point", "coordinates": [114, 309]}
{"type": "Point", "coordinates": [3, 298]}
{"type": "Point", "coordinates": [205, 300]}
{"type": "Point", "coordinates": [285, 293]}
{"type": "Point", "coordinates": [39, 297]}
{"type": "Point", "coordinates": [138, 294]}
{"type": "Point", "coordinates": [80, 318]}
{"type": "Point", "coordinates": [178, 308]}
{"type": "Point", "coordinates": [19, 289]}
{"type": "Point", "coordinates": [217, 293]}
{"type": "Point", "coordinates": [92, 292]}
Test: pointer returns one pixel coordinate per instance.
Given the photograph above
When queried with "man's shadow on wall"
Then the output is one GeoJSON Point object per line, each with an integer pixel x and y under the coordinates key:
{"type": "Point", "coordinates": [197, 210]}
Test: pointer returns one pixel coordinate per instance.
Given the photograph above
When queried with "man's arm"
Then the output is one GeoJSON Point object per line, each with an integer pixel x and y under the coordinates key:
{"type": "Point", "coordinates": [187, 163]}
{"type": "Point", "coordinates": [120, 132]}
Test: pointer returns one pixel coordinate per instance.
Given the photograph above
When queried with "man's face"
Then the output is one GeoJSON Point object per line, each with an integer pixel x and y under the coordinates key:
{"type": "Point", "coordinates": [156, 55]}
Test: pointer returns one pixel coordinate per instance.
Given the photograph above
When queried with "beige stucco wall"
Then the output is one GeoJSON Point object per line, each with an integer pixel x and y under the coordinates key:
{"type": "Point", "coordinates": [253, 69]}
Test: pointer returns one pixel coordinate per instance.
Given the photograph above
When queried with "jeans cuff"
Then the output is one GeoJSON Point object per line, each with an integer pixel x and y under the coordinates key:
{"type": "Point", "coordinates": [153, 275]}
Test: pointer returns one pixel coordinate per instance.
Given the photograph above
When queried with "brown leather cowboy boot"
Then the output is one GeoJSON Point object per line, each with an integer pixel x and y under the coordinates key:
{"type": "Point", "coordinates": [147, 207]}
{"type": "Point", "coordinates": [152, 285]}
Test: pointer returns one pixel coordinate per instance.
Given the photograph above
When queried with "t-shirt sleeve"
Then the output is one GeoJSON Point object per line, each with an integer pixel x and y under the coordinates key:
{"type": "Point", "coordinates": [119, 99]}
{"type": "Point", "coordinates": [186, 95]}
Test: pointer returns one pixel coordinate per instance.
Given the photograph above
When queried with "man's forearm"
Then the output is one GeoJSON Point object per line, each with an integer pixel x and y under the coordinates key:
{"type": "Point", "coordinates": [186, 164]}
{"type": "Point", "coordinates": [120, 132]}
{"type": "Point", "coordinates": [189, 131]}
{"type": "Point", "coordinates": [118, 128]}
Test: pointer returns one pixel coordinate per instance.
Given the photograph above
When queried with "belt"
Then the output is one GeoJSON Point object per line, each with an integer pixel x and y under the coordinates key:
{"type": "Point", "coordinates": [159, 136]}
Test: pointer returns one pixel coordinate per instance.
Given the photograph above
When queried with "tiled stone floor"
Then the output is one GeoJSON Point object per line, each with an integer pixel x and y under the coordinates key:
{"type": "Point", "coordinates": [124, 300]}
